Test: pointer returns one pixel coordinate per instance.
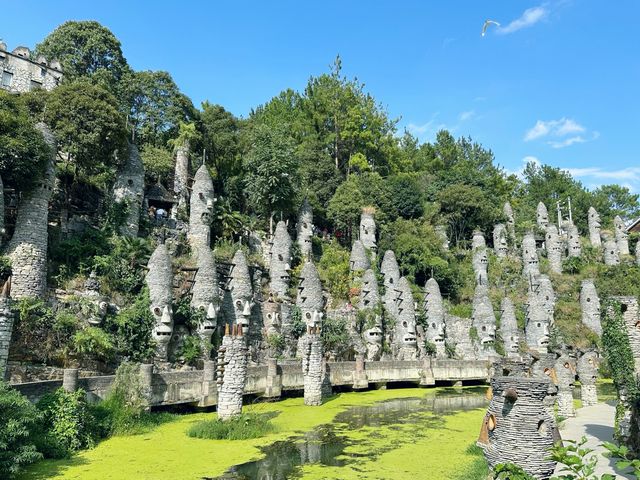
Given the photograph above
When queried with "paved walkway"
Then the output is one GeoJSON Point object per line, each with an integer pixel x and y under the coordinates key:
{"type": "Point", "coordinates": [595, 423]}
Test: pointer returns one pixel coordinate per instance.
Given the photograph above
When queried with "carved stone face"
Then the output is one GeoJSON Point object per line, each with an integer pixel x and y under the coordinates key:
{"type": "Point", "coordinates": [272, 317]}
{"type": "Point", "coordinates": [163, 326]}
{"type": "Point", "coordinates": [368, 231]}
{"type": "Point", "coordinates": [373, 335]}
{"type": "Point", "coordinates": [96, 311]}
{"type": "Point", "coordinates": [243, 313]}
{"type": "Point", "coordinates": [512, 342]}
{"type": "Point", "coordinates": [588, 368]}
{"type": "Point", "coordinates": [542, 215]}
{"type": "Point", "coordinates": [208, 325]}
{"type": "Point", "coordinates": [435, 332]}
{"type": "Point", "coordinates": [407, 330]}
{"type": "Point", "coordinates": [538, 333]}
{"type": "Point", "coordinates": [565, 368]}
{"type": "Point", "coordinates": [487, 334]}
{"type": "Point", "coordinates": [313, 318]}
{"type": "Point", "coordinates": [207, 215]}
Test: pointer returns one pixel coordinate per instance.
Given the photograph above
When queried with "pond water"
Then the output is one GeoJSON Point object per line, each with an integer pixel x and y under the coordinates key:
{"type": "Point", "coordinates": [326, 444]}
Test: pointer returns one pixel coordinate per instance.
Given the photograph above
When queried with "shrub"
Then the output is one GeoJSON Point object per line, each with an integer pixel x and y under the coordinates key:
{"type": "Point", "coordinates": [93, 342]}
{"type": "Point", "coordinates": [333, 269]}
{"type": "Point", "coordinates": [191, 350]}
{"type": "Point", "coordinates": [335, 335]}
{"type": "Point", "coordinates": [18, 419]}
{"type": "Point", "coordinates": [242, 427]}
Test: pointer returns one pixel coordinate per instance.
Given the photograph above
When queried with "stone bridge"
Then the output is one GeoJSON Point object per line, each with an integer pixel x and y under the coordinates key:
{"type": "Point", "coordinates": [198, 387]}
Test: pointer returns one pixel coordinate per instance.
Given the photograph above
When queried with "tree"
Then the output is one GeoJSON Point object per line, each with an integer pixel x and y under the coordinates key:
{"type": "Point", "coordinates": [612, 200]}
{"type": "Point", "coordinates": [271, 171]}
{"type": "Point", "coordinates": [23, 151]}
{"type": "Point", "coordinates": [221, 131]}
{"type": "Point", "coordinates": [406, 195]}
{"type": "Point", "coordinates": [86, 49]}
{"type": "Point", "coordinates": [345, 207]}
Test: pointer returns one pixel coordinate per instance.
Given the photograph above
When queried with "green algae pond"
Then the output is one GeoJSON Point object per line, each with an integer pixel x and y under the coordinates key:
{"type": "Point", "coordinates": [406, 433]}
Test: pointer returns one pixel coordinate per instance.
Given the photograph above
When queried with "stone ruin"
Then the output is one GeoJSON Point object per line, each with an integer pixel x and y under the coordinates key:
{"type": "Point", "coordinates": [201, 210]}
{"type": "Point", "coordinates": [359, 260]}
{"type": "Point", "coordinates": [368, 230]}
{"type": "Point", "coordinates": [509, 329]}
{"type": "Point", "coordinates": [304, 229]}
{"type": "Point", "coordinates": [500, 240]}
{"type": "Point", "coordinates": [507, 211]}
{"type": "Point", "coordinates": [542, 216]}
{"type": "Point", "coordinates": [622, 238]}
{"type": "Point", "coordinates": [160, 282]}
{"type": "Point", "coordinates": [518, 428]}
{"type": "Point", "coordinates": [434, 313]}
{"type": "Point", "coordinates": [28, 246]}
{"type": "Point", "coordinates": [238, 296]}
{"type": "Point", "coordinates": [530, 262]}
{"type": "Point", "coordinates": [573, 240]}
{"type": "Point", "coordinates": [587, 368]}
{"type": "Point", "coordinates": [565, 370]}
{"type": "Point", "coordinates": [280, 261]}
{"type": "Point", "coordinates": [129, 189]}
{"type": "Point", "coordinates": [391, 275]}
{"type": "Point", "coordinates": [6, 325]}
{"type": "Point", "coordinates": [483, 320]}
{"type": "Point", "coordinates": [611, 254]}
{"type": "Point", "coordinates": [370, 303]}
{"type": "Point", "coordinates": [593, 218]}
{"type": "Point", "coordinates": [554, 247]}
{"type": "Point", "coordinates": [205, 297]}
{"type": "Point", "coordinates": [310, 300]}
{"type": "Point", "coordinates": [313, 367]}
{"type": "Point", "coordinates": [457, 336]}
{"type": "Point", "coordinates": [231, 372]}
{"type": "Point", "coordinates": [590, 306]}
{"type": "Point", "coordinates": [441, 232]}
{"type": "Point", "coordinates": [404, 339]}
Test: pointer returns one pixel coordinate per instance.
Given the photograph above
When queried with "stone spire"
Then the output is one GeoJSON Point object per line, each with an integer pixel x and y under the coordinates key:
{"type": "Point", "coordinates": [588, 375]}
{"type": "Point", "coordinates": [201, 210]}
{"type": "Point", "coordinates": [238, 298]}
{"type": "Point", "coordinates": [500, 240]}
{"type": "Point", "coordinates": [553, 245]}
{"type": "Point", "coordinates": [590, 305]}
{"type": "Point", "coordinates": [129, 188]}
{"type": "Point", "coordinates": [480, 262]}
{"type": "Point", "coordinates": [160, 283]}
{"type": "Point", "coordinates": [537, 324]}
{"type": "Point", "coordinates": [2, 229]}
{"type": "Point", "coordinates": [205, 296]}
{"type": "Point", "coordinates": [370, 302]}
{"type": "Point", "coordinates": [231, 373]}
{"type": "Point", "coordinates": [509, 328]}
{"type": "Point", "coordinates": [181, 178]}
{"type": "Point", "coordinates": [310, 299]}
{"type": "Point", "coordinates": [6, 325]}
{"type": "Point", "coordinates": [280, 262]}
{"type": "Point", "coordinates": [507, 211]}
{"type": "Point", "coordinates": [359, 260]}
{"type": "Point", "coordinates": [457, 335]}
{"type": "Point", "coordinates": [542, 216]}
{"type": "Point", "coordinates": [28, 246]}
{"type": "Point", "coordinates": [441, 232]}
{"type": "Point", "coordinates": [543, 288]}
{"type": "Point", "coordinates": [611, 255]}
{"type": "Point", "coordinates": [304, 229]}
{"type": "Point", "coordinates": [573, 240]}
{"type": "Point", "coordinates": [405, 332]}
{"type": "Point", "coordinates": [434, 313]}
{"type": "Point", "coordinates": [368, 229]}
{"type": "Point", "coordinates": [530, 256]}
{"type": "Point", "coordinates": [483, 319]}
{"type": "Point", "coordinates": [622, 238]}
{"type": "Point", "coordinates": [594, 227]}
{"type": "Point", "coordinates": [478, 241]}
{"type": "Point", "coordinates": [391, 275]}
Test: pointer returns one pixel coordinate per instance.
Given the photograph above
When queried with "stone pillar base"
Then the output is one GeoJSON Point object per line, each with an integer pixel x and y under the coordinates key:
{"type": "Point", "coordinates": [70, 380]}
{"type": "Point", "coordinates": [589, 395]}
{"type": "Point", "coordinates": [565, 405]}
{"type": "Point", "coordinates": [426, 376]}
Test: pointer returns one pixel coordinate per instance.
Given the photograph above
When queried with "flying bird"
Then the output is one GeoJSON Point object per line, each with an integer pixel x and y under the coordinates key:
{"type": "Point", "coordinates": [486, 25]}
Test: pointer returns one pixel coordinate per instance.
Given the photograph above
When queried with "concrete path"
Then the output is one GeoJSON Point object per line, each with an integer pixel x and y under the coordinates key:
{"type": "Point", "coordinates": [595, 423]}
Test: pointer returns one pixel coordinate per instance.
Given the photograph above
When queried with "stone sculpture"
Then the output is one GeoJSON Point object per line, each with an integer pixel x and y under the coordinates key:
{"type": "Point", "coordinates": [238, 297]}
{"type": "Point", "coordinates": [594, 227]}
{"type": "Point", "coordinates": [391, 275]}
{"type": "Point", "coordinates": [205, 297]}
{"type": "Point", "coordinates": [231, 373]}
{"type": "Point", "coordinates": [478, 241]}
{"type": "Point", "coordinates": [590, 306]}
{"type": "Point", "coordinates": [543, 288]}
{"type": "Point", "coordinates": [96, 309]}
{"type": "Point", "coordinates": [457, 336]}
{"type": "Point", "coordinates": [573, 240]}
{"type": "Point", "coordinates": [565, 370]}
{"type": "Point", "coordinates": [542, 216]}
{"type": "Point", "coordinates": [310, 299]}
{"type": "Point", "coordinates": [637, 253]}
{"type": "Point", "coordinates": [405, 332]}
{"type": "Point", "coordinates": [129, 189]}
{"type": "Point", "coordinates": [622, 238]}
{"type": "Point", "coordinates": [518, 428]}
{"type": "Point", "coordinates": [530, 262]}
{"type": "Point", "coordinates": [6, 325]}
{"type": "Point", "coordinates": [304, 229]}
{"type": "Point", "coordinates": [2, 229]}
{"type": "Point", "coordinates": [201, 210]}
{"type": "Point", "coordinates": [553, 245]}
{"type": "Point", "coordinates": [181, 178]}
{"type": "Point", "coordinates": [611, 254]}
{"type": "Point", "coordinates": [28, 246]}
{"type": "Point", "coordinates": [313, 367]}
{"type": "Point", "coordinates": [509, 329]}
{"type": "Point", "coordinates": [507, 211]}
{"type": "Point", "coordinates": [280, 262]}
{"type": "Point", "coordinates": [370, 303]}
{"type": "Point", "coordinates": [537, 324]}
{"type": "Point", "coordinates": [483, 320]}
{"type": "Point", "coordinates": [434, 313]}
{"type": "Point", "coordinates": [160, 283]}
{"type": "Point", "coordinates": [368, 229]}
{"type": "Point", "coordinates": [480, 262]}
{"type": "Point", "coordinates": [359, 260]}
{"type": "Point", "coordinates": [588, 375]}
{"type": "Point", "coordinates": [500, 243]}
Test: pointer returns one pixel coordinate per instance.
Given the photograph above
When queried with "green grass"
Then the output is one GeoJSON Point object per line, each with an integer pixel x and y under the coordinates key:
{"type": "Point", "coordinates": [243, 427]}
{"type": "Point", "coordinates": [478, 469]}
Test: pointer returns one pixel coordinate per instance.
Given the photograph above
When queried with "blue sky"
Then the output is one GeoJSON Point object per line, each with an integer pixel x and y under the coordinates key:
{"type": "Point", "coordinates": [558, 82]}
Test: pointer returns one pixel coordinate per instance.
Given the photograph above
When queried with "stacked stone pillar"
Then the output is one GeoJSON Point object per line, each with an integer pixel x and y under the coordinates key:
{"type": "Point", "coordinates": [201, 210]}
{"type": "Point", "coordinates": [6, 326]}
{"type": "Point", "coordinates": [304, 229]}
{"type": "Point", "coordinates": [129, 189]}
{"type": "Point", "coordinates": [622, 238]}
{"type": "Point", "coordinates": [231, 373]}
{"type": "Point", "coordinates": [159, 279]}
{"type": "Point", "coordinates": [590, 306]}
{"type": "Point", "coordinates": [565, 369]}
{"type": "Point", "coordinates": [594, 227]}
{"type": "Point", "coordinates": [313, 367]}
{"type": "Point", "coordinates": [588, 375]}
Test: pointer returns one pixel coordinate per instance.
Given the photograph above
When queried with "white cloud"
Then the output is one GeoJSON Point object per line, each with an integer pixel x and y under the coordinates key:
{"type": "Point", "coordinates": [530, 17]}
{"type": "Point", "coordinates": [540, 129]}
{"type": "Point", "coordinates": [568, 126]}
{"type": "Point", "coordinates": [464, 116]}
{"type": "Point", "coordinates": [566, 131]}
{"type": "Point", "coordinates": [567, 142]}
{"type": "Point", "coordinates": [629, 174]}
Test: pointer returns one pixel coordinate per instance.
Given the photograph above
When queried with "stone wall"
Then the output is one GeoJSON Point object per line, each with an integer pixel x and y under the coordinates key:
{"type": "Point", "coordinates": [28, 74]}
{"type": "Point", "coordinates": [28, 246]}
{"type": "Point", "coordinates": [129, 189]}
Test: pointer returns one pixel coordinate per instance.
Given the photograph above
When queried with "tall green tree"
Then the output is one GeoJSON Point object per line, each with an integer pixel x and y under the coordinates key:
{"type": "Point", "coordinates": [221, 138]}
{"type": "Point", "coordinates": [612, 200]}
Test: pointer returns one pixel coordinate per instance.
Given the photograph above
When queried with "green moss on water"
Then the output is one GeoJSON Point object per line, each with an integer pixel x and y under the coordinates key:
{"type": "Point", "coordinates": [437, 446]}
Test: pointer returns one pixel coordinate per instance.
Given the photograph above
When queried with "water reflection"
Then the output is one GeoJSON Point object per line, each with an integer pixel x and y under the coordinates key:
{"type": "Point", "coordinates": [326, 444]}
